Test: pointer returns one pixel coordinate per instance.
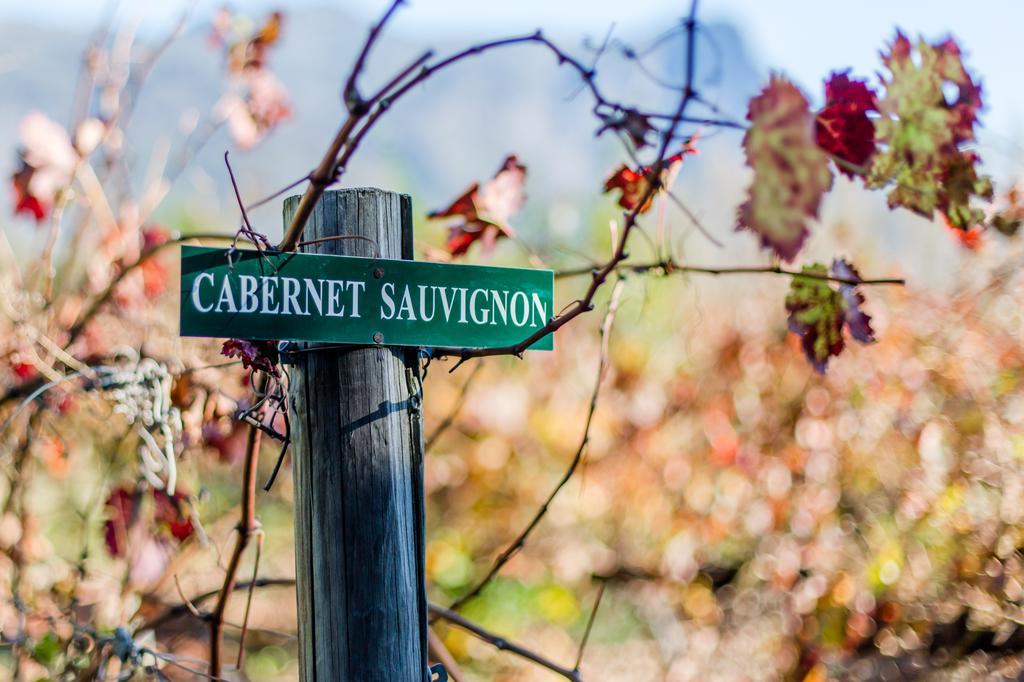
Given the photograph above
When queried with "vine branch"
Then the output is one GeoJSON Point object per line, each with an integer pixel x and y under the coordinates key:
{"type": "Point", "coordinates": [601, 274]}
{"type": "Point", "coordinates": [520, 541]}
{"type": "Point", "coordinates": [247, 527]}
{"type": "Point", "coordinates": [670, 266]}
{"type": "Point", "coordinates": [500, 643]}
{"type": "Point", "coordinates": [364, 113]}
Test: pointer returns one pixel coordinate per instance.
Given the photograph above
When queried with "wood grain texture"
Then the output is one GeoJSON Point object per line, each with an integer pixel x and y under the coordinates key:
{"type": "Point", "coordinates": [358, 459]}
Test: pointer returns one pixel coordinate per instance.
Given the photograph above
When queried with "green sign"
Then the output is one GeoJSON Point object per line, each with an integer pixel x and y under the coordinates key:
{"type": "Point", "coordinates": [345, 299]}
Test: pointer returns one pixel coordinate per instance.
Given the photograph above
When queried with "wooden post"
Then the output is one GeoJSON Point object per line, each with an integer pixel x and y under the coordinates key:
{"type": "Point", "coordinates": [358, 467]}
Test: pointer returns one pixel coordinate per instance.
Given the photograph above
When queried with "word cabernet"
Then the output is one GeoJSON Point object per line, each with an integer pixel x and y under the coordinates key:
{"type": "Point", "coordinates": [273, 295]}
{"type": "Point", "coordinates": [342, 299]}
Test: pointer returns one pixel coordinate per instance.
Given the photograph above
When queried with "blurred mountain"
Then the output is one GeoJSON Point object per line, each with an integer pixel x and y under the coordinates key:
{"type": "Point", "coordinates": [454, 129]}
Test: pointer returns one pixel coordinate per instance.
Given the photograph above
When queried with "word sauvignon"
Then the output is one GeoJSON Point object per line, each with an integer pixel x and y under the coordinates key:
{"type": "Point", "coordinates": [279, 295]}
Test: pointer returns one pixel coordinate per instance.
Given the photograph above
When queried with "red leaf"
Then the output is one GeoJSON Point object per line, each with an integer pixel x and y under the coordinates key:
{"type": "Point", "coordinates": [459, 241]}
{"type": "Point", "coordinates": [154, 278]}
{"type": "Point", "coordinates": [154, 272]}
{"type": "Point", "coordinates": [62, 402]}
{"type": "Point", "coordinates": [153, 236]}
{"type": "Point", "coordinates": [482, 212]}
{"type": "Point", "coordinates": [46, 163]}
{"type": "Point", "coordinates": [969, 238]}
{"type": "Point", "coordinates": [25, 202]}
{"type": "Point", "coordinates": [842, 127]}
{"type": "Point", "coordinates": [633, 184]}
{"type": "Point", "coordinates": [122, 505]}
{"type": "Point", "coordinates": [260, 105]}
{"type": "Point", "coordinates": [261, 355]}
{"type": "Point", "coordinates": [246, 51]}
{"type": "Point", "coordinates": [24, 371]}
{"type": "Point", "coordinates": [172, 512]}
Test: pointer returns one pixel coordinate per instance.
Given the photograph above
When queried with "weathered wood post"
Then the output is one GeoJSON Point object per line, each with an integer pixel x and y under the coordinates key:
{"type": "Point", "coordinates": [358, 463]}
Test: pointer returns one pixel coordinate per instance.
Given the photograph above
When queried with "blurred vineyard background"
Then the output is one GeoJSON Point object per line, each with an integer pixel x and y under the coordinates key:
{"type": "Point", "coordinates": [748, 517]}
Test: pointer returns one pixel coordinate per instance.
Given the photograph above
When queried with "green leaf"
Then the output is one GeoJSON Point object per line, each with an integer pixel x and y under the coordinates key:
{"type": "Point", "coordinates": [47, 649]}
{"type": "Point", "coordinates": [819, 311]}
{"type": "Point", "coordinates": [927, 114]}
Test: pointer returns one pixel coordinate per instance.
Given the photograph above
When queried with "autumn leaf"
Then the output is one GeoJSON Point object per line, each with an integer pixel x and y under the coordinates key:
{"type": "Point", "coordinates": [23, 371]}
{"type": "Point", "coordinates": [843, 128]}
{"type": "Point", "coordinates": [927, 114]}
{"type": "Point", "coordinates": [858, 323]}
{"type": "Point", "coordinates": [122, 505]}
{"type": "Point", "coordinates": [256, 101]}
{"type": "Point", "coordinates": [819, 312]}
{"type": "Point", "coordinates": [630, 122]}
{"type": "Point", "coordinates": [261, 355]}
{"type": "Point", "coordinates": [246, 48]}
{"type": "Point", "coordinates": [791, 172]}
{"type": "Point", "coordinates": [24, 201]}
{"type": "Point", "coordinates": [633, 185]}
{"type": "Point", "coordinates": [46, 162]}
{"type": "Point", "coordinates": [1008, 217]}
{"type": "Point", "coordinates": [257, 104]}
{"type": "Point", "coordinates": [172, 514]}
{"type": "Point", "coordinates": [481, 213]}
{"type": "Point", "coordinates": [154, 271]}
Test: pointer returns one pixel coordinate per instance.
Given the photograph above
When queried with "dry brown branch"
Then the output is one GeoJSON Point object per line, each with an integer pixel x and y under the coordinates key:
{"type": "Point", "coordinates": [500, 643]}
{"type": "Point", "coordinates": [364, 113]}
{"type": "Point", "coordinates": [590, 624]}
{"type": "Point", "coordinates": [247, 526]}
{"type": "Point", "coordinates": [670, 266]}
{"type": "Point", "coordinates": [439, 652]}
{"type": "Point", "coordinates": [520, 540]}
{"type": "Point", "coordinates": [601, 274]}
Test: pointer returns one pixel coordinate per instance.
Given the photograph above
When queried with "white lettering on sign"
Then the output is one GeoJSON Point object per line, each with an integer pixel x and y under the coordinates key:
{"type": "Point", "coordinates": [195, 292]}
{"type": "Point", "coordinates": [280, 295]}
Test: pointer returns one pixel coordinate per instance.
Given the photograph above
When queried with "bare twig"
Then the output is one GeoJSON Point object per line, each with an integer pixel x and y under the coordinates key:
{"type": "Point", "coordinates": [270, 197]}
{"type": "Point", "coordinates": [590, 624]}
{"type": "Point", "coordinates": [367, 111]}
{"type": "Point", "coordinates": [248, 601]}
{"type": "Point", "coordinates": [245, 231]}
{"type": "Point", "coordinates": [520, 540]}
{"type": "Point", "coordinates": [439, 652]}
{"type": "Point", "coordinates": [500, 643]}
{"type": "Point", "coordinates": [353, 100]}
{"type": "Point", "coordinates": [669, 266]}
{"type": "Point", "coordinates": [183, 609]}
{"type": "Point", "coordinates": [247, 526]}
{"type": "Point", "coordinates": [185, 600]}
{"type": "Point", "coordinates": [600, 275]}
{"type": "Point", "coordinates": [238, 195]}
{"type": "Point", "coordinates": [693, 218]}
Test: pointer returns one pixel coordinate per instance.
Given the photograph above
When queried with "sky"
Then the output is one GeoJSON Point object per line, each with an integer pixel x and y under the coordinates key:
{"type": "Point", "coordinates": [802, 38]}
